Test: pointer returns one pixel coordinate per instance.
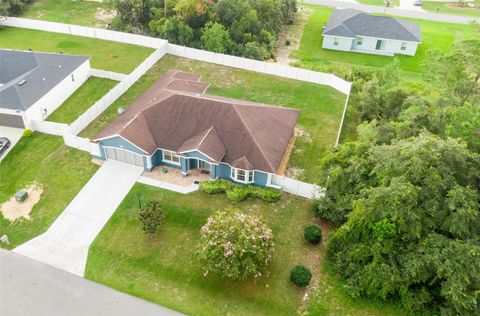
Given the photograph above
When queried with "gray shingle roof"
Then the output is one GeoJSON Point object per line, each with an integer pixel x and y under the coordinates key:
{"type": "Point", "coordinates": [41, 72]}
{"type": "Point", "coordinates": [352, 23]}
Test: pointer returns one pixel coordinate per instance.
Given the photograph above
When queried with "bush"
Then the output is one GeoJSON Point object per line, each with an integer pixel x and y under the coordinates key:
{"type": "Point", "coordinates": [217, 186]}
{"type": "Point", "coordinates": [236, 192]}
{"type": "Point", "coordinates": [268, 194]}
{"type": "Point", "coordinates": [287, 43]}
{"type": "Point", "coordinates": [235, 245]}
{"type": "Point", "coordinates": [301, 276]}
{"type": "Point", "coordinates": [151, 217]}
{"type": "Point", "coordinates": [312, 234]}
{"type": "Point", "coordinates": [27, 133]}
{"type": "Point", "coordinates": [239, 193]}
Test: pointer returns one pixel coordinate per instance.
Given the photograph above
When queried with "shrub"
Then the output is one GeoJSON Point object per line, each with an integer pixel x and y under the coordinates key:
{"type": "Point", "coordinates": [27, 133]}
{"type": "Point", "coordinates": [312, 234]}
{"type": "Point", "coordinates": [301, 276]}
{"type": "Point", "coordinates": [235, 245]}
{"type": "Point", "coordinates": [217, 186]}
{"type": "Point", "coordinates": [151, 217]}
{"type": "Point", "coordinates": [240, 193]}
{"type": "Point", "coordinates": [287, 43]}
{"type": "Point", "coordinates": [268, 194]}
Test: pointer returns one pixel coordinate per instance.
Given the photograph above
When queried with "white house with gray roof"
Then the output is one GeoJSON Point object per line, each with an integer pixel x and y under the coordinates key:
{"type": "Point", "coordinates": [357, 31]}
{"type": "Point", "coordinates": [34, 84]}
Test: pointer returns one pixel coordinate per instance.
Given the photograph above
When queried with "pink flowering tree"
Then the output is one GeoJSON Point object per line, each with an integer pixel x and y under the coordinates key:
{"type": "Point", "coordinates": [235, 245]}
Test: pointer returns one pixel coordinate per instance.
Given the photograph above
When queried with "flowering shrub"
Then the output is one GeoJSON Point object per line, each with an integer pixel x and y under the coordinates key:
{"type": "Point", "coordinates": [235, 245]}
{"type": "Point", "coordinates": [236, 192]}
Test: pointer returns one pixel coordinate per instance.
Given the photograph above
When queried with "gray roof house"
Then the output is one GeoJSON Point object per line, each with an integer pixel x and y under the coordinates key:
{"type": "Point", "coordinates": [34, 84]}
{"type": "Point", "coordinates": [354, 30]}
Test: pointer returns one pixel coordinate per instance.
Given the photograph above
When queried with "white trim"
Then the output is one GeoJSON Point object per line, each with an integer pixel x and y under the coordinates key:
{"type": "Point", "coordinates": [365, 36]}
{"type": "Point", "coordinates": [118, 135]}
{"type": "Point", "coordinates": [174, 154]}
{"type": "Point", "coordinates": [189, 151]}
{"type": "Point", "coordinates": [247, 175]}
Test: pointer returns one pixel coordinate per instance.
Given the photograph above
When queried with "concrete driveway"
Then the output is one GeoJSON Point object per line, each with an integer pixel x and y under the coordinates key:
{"type": "Point", "coordinates": [14, 134]}
{"type": "Point", "coordinates": [65, 244]}
{"type": "Point", "coordinates": [29, 287]}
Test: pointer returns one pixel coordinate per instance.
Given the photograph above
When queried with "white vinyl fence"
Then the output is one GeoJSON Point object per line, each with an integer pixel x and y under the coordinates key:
{"type": "Point", "coordinates": [197, 54]}
{"type": "Point", "coordinates": [262, 67]}
{"type": "Point", "coordinates": [306, 190]}
{"type": "Point", "coordinates": [46, 127]}
{"type": "Point", "coordinates": [107, 74]}
{"type": "Point", "coordinates": [101, 105]}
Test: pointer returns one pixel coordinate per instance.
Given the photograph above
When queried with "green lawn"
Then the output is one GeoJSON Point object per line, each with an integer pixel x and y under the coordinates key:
{"type": "Point", "coordinates": [165, 270]}
{"type": "Point", "coordinates": [80, 101]}
{"type": "Point", "coordinates": [88, 13]}
{"type": "Point", "coordinates": [434, 35]}
{"type": "Point", "coordinates": [451, 8]}
{"type": "Point", "coordinates": [380, 3]}
{"type": "Point", "coordinates": [105, 55]}
{"type": "Point", "coordinates": [321, 106]}
{"type": "Point", "coordinates": [59, 170]}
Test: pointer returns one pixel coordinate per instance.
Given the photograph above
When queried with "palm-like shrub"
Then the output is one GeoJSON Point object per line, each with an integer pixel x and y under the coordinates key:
{"type": "Point", "coordinates": [235, 245]}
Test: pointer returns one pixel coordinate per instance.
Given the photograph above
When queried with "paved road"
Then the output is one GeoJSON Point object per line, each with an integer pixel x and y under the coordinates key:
{"type": "Point", "coordinates": [393, 11]}
{"type": "Point", "coordinates": [65, 244]}
{"type": "Point", "coordinates": [28, 287]}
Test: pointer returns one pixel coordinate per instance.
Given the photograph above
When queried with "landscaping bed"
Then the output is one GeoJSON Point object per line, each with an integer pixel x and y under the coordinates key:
{"type": "Point", "coordinates": [59, 171]}
{"type": "Point", "coordinates": [82, 99]}
{"type": "Point", "coordinates": [321, 106]}
{"type": "Point", "coordinates": [106, 55]}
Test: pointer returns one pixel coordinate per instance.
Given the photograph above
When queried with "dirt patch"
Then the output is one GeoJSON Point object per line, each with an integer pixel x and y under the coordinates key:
{"type": "Point", "coordinates": [300, 132]}
{"type": "Point", "coordinates": [104, 16]}
{"type": "Point", "coordinates": [294, 172]}
{"type": "Point", "coordinates": [12, 209]}
{"type": "Point", "coordinates": [293, 35]}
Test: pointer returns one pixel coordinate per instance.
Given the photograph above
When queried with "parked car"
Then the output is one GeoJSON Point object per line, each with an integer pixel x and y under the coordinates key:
{"type": "Point", "coordinates": [418, 3]}
{"type": "Point", "coordinates": [4, 144]}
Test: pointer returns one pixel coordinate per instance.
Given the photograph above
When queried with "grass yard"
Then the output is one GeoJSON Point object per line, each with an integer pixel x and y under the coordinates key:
{"type": "Point", "coordinates": [106, 55]}
{"type": "Point", "coordinates": [90, 92]}
{"type": "Point", "coordinates": [453, 8]}
{"type": "Point", "coordinates": [88, 13]}
{"type": "Point", "coordinates": [434, 35]}
{"type": "Point", "coordinates": [321, 106]}
{"type": "Point", "coordinates": [59, 170]}
{"type": "Point", "coordinates": [380, 3]}
{"type": "Point", "coordinates": [165, 270]}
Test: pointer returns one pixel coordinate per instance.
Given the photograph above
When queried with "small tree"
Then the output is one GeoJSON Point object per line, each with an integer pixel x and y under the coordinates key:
{"type": "Point", "coordinates": [151, 217]}
{"type": "Point", "coordinates": [235, 245]}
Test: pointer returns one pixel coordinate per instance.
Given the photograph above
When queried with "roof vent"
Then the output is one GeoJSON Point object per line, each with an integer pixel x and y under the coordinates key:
{"type": "Point", "coordinates": [22, 82]}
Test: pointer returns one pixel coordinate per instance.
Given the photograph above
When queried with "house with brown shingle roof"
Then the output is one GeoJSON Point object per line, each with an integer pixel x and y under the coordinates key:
{"type": "Point", "coordinates": [176, 124]}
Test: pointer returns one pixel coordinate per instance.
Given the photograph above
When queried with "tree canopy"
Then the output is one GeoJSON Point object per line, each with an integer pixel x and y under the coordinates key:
{"type": "Point", "coordinates": [405, 194]}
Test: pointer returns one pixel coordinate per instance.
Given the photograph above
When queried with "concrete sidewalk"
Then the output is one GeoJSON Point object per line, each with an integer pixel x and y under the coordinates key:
{"type": "Point", "coordinates": [28, 287]}
{"type": "Point", "coordinates": [393, 11]}
{"type": "Point", "coordinates": [65, 244]}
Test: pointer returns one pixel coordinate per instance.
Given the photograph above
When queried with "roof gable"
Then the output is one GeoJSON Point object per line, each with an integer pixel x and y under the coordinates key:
{"type": "Point", "coordinates": [351, 23]}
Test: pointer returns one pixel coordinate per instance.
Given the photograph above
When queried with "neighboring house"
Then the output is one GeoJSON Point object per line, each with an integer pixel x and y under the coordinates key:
{"type": "Point", "coordinates": [176, 124]}
{"type": "Point", "coordinates": [357, 31]}
{"type": "Point", "coordinates": [33, 84]}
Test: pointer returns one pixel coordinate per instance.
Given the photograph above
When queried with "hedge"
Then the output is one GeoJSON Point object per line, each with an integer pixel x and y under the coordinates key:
{"type": "Point", "coordinates": [236, 192]}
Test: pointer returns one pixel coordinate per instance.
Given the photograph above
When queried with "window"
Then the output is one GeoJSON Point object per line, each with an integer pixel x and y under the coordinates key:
{"type": "Point", "coordinates": [380, 45]}
{"type": "Point", "coordinates": [73, 78]}
{"type": "Point", "coordinates": [404, 46]}
{"type": "Point", "coordinates": [359, 41]}
{"type": "Point", "coordinates": [241, 175]}
{"type": "Point", "coordinates": [336, 40]}
{"type": "Point", "coordinates": [171, 157]}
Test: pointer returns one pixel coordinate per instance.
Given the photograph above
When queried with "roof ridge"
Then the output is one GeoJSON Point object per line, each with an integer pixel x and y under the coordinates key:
{"type": "Point", "coordinates": [205, 136]}
{"type": "Point", "coordinates": [253, 138]}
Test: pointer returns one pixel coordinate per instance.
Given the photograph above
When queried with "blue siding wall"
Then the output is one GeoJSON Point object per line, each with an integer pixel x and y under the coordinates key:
{"type": "Point", "coordinates": [196, 154]}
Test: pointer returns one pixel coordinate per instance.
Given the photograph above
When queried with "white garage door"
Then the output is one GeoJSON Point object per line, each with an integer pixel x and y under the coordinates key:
{"type": "Point", "coordinates": [124, 156]}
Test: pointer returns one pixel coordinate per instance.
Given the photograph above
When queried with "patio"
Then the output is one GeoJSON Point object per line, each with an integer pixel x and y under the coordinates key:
{"type": "Point", "coordinates": [174, 176]}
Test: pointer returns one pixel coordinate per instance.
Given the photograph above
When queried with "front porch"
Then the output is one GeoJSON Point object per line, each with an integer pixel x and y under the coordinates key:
{"type": "Point", "coordinates": [175, 176]}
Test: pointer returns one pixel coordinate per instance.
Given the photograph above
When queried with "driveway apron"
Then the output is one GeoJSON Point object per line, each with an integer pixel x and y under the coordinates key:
{"type": "Point", "coordinates": [65, 244]}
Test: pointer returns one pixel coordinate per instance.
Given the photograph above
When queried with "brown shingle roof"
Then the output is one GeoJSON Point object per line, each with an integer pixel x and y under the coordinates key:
{"type": "Point", "coordinates": [243, 134]}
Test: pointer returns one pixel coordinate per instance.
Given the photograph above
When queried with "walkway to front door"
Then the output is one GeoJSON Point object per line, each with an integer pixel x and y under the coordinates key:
{"type": "Point", "coordinates": [65, 244]}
